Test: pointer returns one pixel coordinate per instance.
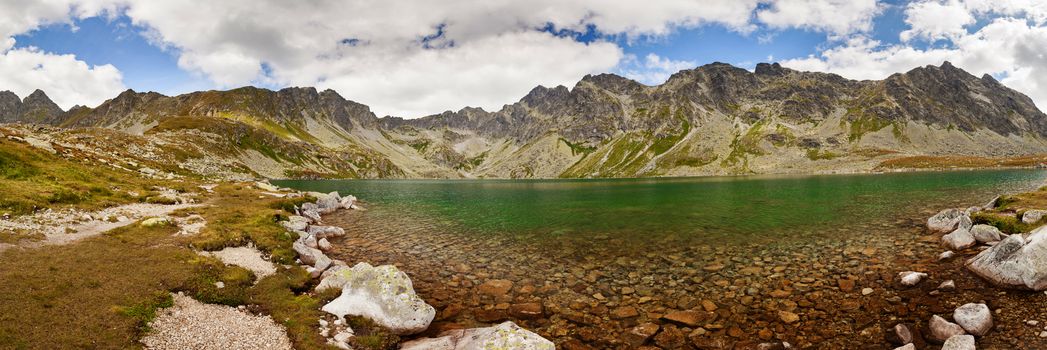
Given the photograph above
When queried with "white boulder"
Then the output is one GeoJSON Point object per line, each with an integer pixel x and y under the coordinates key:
{"type": "Point", "coordinates": [986, 233]}
{"type": "Point", "coordinates": [906, 347]}
{"type": "Point", "coordinates": [324, 245]}
{"type": "Point", "coordinates": [506, 335]}
{"type": "Point", "coordinates": [1015, 262]}
{"type": "Point", "coordinates": [911, 278]}
{"type": "Point", "coordinates": [941, 330]}
{"type": "Point", "coordinates": [327, 203]}
{"type": "Point", "coordinates": [959, 239]}
{"type": "Point", "coordinates": [383, 294]}
{"type": "Point", "coordinates": [296, 223]}
{"type": "Point", "coordinates": [348, 201]}
{"type": "Point", "coordinates": [959, 342]}
{"type": "Point", "coordinates": [946, 255]}
{"type": "Point", "coordinates": [945, 221]}
{"type": "Point", "coordinates": [1033, 216]}
{"type": "Point", "coordinates": [976, 319]}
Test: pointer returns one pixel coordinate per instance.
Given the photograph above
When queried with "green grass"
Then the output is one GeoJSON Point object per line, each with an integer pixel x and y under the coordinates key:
{"type": "Point", "coordinates": [816, 154]}
{"type": "Point", "coordinates": [577, 149]}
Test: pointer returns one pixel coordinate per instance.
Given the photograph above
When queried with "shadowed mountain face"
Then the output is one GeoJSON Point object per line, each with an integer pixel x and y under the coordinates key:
{"type": "Point", "coordinates": [714, 119]}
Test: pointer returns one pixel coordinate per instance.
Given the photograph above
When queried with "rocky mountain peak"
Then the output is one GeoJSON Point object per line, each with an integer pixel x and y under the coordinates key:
{"type": "Point", "coordinates": [38, 108]}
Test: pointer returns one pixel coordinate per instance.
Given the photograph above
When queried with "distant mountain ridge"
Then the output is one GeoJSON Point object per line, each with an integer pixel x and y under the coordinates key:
{"type": "Point", "coordinates": [712, 120]}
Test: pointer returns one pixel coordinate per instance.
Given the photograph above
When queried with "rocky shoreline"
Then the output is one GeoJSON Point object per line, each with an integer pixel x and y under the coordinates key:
{"type": "Point", "coordinates": [381, 294]}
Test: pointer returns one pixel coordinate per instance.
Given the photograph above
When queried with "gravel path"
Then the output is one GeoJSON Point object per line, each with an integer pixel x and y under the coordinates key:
{"type": "Point", "coordinates": [190, 324]}
{"type": "Point", "coordinates": [64, 227]}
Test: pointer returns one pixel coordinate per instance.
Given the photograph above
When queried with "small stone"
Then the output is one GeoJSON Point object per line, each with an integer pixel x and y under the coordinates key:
{"type": "Point", "coordinates": [788, 317]}
{"type": "Point", "coordinates": [845, 284]}
{"type": "Point", "coordinates": [1043, 334]}
{"type": "Point", "coordinates": [526, 311]}
{"type": "Point", "coordinates": [959, 342]}
{"type": "Point", "coordinates": [687, 318]}
{"type": "Point", "coordinates": [906, 347]}
{"type": "Point", "coordinates": [708, 305]}
{"type": "Point", "coordinates": [1032, 322]}
{"type": "Point", "coordinates": [624, 312]}
{"type": "Point", "coordinates": [900, 334]}
{"type": "Point", "coordinates": [867, 291]}
{"type": "Point", "coordinates": [946, 255]}
{"type": "Point", "coordinates": [496, 288]}
{"type": "Point", "coordinates": [976, 319]}
{"type": "Point", "coordinates": [911, 278]}
{"type": "Point", "coordinates": [947, 286]}
{"type": "Point", "coordinates": [640, 334]}
{"type": "Point", "coordinates": [941, 330]}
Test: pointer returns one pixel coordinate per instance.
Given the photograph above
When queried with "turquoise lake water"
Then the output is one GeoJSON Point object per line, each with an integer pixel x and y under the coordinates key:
{"type": "Point", "coordinates": [736, 207]}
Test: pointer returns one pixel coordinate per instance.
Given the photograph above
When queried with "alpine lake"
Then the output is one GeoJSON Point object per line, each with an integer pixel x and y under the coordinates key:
{"type": "Point", "coordinates": [707, 262]}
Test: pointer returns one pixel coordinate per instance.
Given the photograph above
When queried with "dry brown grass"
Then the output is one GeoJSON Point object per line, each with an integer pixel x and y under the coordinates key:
{"type": "Point", "coordinates": [945, 162]}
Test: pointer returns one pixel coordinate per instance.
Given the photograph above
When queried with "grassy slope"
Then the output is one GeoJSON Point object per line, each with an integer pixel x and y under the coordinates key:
{"type": "Point", "coordinates": [32, 179]}
{"type": "Point", "coordinates": [101, 292]}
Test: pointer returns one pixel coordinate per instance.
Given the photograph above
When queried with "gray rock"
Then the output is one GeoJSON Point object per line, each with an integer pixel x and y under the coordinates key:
{"type": "Point", "coordinates": [959, 342]}
{"type": "Point", "coordinates": [348, 202]}
{"type": "Point", "coordinates": [947, 286]}
{"type": "Point", "coordinates": [906, 347]}
{"type": "Point", "coordinates": [959, 239]}
{"type": "Point", "coordinates": [986, 233]}
{"type": "Point", "coordinates": [326, 231]}
{"type": "Point", "coordinates": [324, 245]}
{"type": "Point", "coordinates": [1033, 216]}
{"type": "Point", "coordinates": [992, 203]}
{"type": "Point", "coordinates": [506, 335]}
{"type": "Point", "coordinates": [945, 221]}
{"type": "Point", "coordinates": [1015, 262]}
{"type": "Point", "coordinates": [309, 256]}
{"type": "Point", "coordinates": [940, 330]}
{"type": "Point", "coordinates": [976, 319]}
{"type": "Point", "coordinates": [946, 255]}
{"type": "Point", "coordinates": [384, 295]}
{"type": "Point", "coordinates": [900, 334]}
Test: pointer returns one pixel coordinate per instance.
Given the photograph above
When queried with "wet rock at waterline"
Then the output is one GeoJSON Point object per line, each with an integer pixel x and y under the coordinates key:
{"type": "Point", "coordinates": [959, 239]}
{"type": "Point", "coordinates": [945, 221]}
{"type": "Point", "coordinates": [899, 335]}
{"type": "Point", "coordinates": [976, 319]}
{"type": "Point", "coordinates": [382, 294]}
{"type": "Point", "coordinates": [1015, 262]}
{"type": "Point", "coordinates": [506, 335]}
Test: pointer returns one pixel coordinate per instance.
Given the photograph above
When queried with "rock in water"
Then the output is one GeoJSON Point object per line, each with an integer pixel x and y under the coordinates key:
{"type": "Point", "coordinates": [1033, 216]}
{"type": "Point", "coordinates": [986, 233]}
{"type": "Point", "coordinates": [906, 347]}
{"type": "Point", "coordinates": [976, 319]}
{"type": "Point", "coordinates": [946, 255]}
{"type": "Point", "coordinates": [959, 239]}
{"type": "Point", "coordinates": [911, 278]}
{"type": "Point", "coordinates": [959, 342]}
{"type": "Point", "coordinates": [941, 330]}
{"type": "Point", "coordinates": [506, 335]}
{"type": "Point", "coordinates": [945, 221]}
{"type": "Point", "coordinates": [1015, 262]}
{"type": "Point", "coordinates": [899, 335]}
{"type": "Point", "coordinates": [383, 294]}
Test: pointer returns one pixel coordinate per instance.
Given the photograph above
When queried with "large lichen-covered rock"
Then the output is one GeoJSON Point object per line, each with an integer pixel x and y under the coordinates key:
{"type": "Point", "coordinates": [327, 203]}
{"type": "Point", "coordinates": [503, 336]}
{"type": "Point", "coordinates": [986, 233]}
{"type": "Point", "coordinates": [1033, 216]}
{"type": "Point", "coordinates": [383, 294]}
{"type": "Point", "coordinates": [1015, 262]}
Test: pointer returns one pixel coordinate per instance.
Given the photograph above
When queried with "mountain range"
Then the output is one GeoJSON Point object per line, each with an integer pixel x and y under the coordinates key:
{"type": "Point", "coordinates": [716, 119]}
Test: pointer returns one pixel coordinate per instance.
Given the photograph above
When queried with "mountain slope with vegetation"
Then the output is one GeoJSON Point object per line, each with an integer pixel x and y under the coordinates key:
{"type": "Point", "coordinates": [712, 120]}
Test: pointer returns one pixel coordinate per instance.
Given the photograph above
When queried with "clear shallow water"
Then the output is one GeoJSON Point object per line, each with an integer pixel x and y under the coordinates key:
{"type": "Point", "coordinates": [602, 256]}
{"type": "Point", "coordinates": [738, 207]}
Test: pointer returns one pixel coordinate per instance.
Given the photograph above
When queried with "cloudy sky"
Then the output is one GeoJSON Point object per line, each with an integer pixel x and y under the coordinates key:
{"type": "Point", "coordinates": [416, 57]}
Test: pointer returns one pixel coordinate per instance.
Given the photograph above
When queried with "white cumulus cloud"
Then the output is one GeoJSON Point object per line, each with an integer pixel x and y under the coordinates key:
{"type": "Point", "coordinates": [66, 80]}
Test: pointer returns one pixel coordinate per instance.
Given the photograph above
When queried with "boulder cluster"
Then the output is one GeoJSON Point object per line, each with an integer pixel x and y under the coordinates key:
{"type": "Point", "coordinates": [1017, 261]}
{"type": "Point", "coordinates": [381, 294]}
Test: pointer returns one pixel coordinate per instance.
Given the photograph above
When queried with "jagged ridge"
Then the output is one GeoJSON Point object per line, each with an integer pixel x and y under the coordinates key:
{"type": "Point", "coordinates": [714, 119]}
